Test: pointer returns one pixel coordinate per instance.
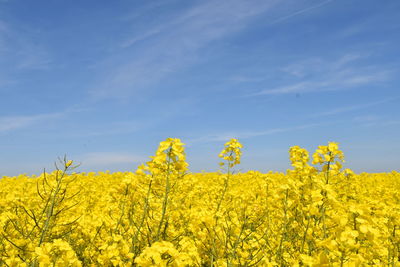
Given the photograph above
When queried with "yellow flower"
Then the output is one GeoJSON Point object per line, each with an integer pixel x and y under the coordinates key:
{"type": "Point", "coordinates": [231, 152]}
{"type": "Point", "coordinates": [68, 163]}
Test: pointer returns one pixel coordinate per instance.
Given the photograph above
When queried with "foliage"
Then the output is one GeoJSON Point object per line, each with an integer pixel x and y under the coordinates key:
{"type": "Point", "coordinates": [164, 216]}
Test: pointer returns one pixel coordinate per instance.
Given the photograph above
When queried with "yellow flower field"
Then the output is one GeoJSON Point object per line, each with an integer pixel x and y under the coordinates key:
{"type": "Point", "coordinates": [316, 214]}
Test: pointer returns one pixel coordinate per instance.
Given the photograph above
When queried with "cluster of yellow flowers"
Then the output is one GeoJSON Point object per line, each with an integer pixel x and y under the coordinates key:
{"type": "Point", "coordinates": [231, 153]}
{"type": "Point", "coordinates": [316, 214]}
{"type": "Point", "coordinates": [170, 157]}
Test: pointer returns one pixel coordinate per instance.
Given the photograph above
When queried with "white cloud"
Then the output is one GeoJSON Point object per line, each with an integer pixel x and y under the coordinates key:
{"type": "Point", "coordinates": [366, 118]}
{"type": "Point", "coordinates": [109, 158]}
{"type": "Point", "coordinates": [19, 51]}
{"type": "Point", "coordinates": [318, 75]}
{"type": "Point", "coordinates": [15, 122]}
{"type": "Point", "coordinates": [301, 11]}
{"type": "Point", "coordinates": [175, 44]}
{"type": "Point", "coordinates": [245, 79]}
{"type": "Point", "coordinates": [135, 39]}
{"type": "Point", "coordinates": [353, 107]}
{"type": "Point", "coordinates": [171, 43]}
{"type": "Point", "coordinates": [109, 128]}
{"type": "Point", "coordinates": [379, 123]}
{"type": "Point", "coordinates": [9, 123]}
{"type": "Point", "coordinates": [221, 137]}
{"type": "Point", "coordinates": [34, 58]}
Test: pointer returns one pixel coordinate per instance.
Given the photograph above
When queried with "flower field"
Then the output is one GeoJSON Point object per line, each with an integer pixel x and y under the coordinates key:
{"type": "Point", "coordinates": [316, 214]}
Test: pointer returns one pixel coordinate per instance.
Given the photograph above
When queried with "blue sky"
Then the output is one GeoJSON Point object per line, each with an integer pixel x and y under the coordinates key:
{"type": "Point", "coordinates": [105, 81]}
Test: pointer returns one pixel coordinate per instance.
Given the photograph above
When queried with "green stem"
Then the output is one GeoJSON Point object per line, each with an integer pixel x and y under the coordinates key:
{"type": "Point", "coordinates": [166, 193]}
{"type": "Point", "coordinates": [50, 209]}
{"type": "Point", "coordinates": [305, 234]}
{"type": "Point", "coordinates": [144, 215]}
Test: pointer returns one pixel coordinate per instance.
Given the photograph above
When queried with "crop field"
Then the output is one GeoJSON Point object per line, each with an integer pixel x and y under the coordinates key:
{"type": "Point", "coordinates": [315, 214]}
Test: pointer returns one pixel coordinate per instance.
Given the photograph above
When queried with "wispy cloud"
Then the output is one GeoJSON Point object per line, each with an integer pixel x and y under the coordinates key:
{"type": "Point", "coordinates": [109, 129]}
{"type": "Point", "coordinates": [312, 66]}
{"type": "Point", "coordinates": [175, 44]}
{"type": "Point", "coordinates": [15, 122]}
{"type": "Point", "coordinates": [381, 122]}
{"type": "Point", "coordinates": [345, 109]}
{"type": "Point", "coordinates": [366, 118]}
{"type": "Point", "coordinates": [318, 75]}
{"type": "Point", "coordinates": [245, 79]}
{"type": "Point", "coordinates": [301, 11]}
{"type": "Point", "coordinates": [19, 52]}
{"type": "Point", "coordinates": [171, 44]}
{"type": "Point", "coordinates": [33, 57]}
{"type": "Point", "coordinates": [109, 158]}
{"type": "Point", "coordinates": [135, 39]}
{"type": "Point", "coordinates": [220, 137]}
{"type": "Point", "coordinates": [10, 123]}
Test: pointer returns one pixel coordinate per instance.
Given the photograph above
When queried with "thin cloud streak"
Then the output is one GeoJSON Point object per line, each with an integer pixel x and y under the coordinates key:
{"type": "Point", "coordinates": [110, 129]}
{"type": "Point", "coordinates": [352, 108]}
{"type": "Point", "coordinates": [329, 76]}
{"type": "Point", "coordinates": [301, 12]}
{"type": "Point", "coordinates": [381, 123]}
{"type": "Point", "coordinates": [175, 44]}
{"type": "Point", "coordinates": [10, 123]}
{"type": "Point", "coordinates": [221, 137]}
{"type": "Point", "coordinates": [333, 83]}
{"type": "Point", "coordinates": [142, 37]}
{"type": "Point", "coordinates": [109, 158]}
{"type": "Point", "coordinates": [19, 52]}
